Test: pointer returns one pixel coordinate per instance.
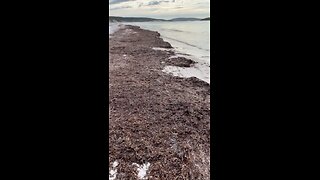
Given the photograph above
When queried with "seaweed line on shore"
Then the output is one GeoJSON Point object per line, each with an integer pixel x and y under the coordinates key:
{"type": "Point", "coordinates": [159, 125]}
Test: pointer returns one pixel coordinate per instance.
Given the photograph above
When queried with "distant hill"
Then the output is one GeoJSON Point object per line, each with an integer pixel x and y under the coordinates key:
{"type": "Point", "coordinates": [144, 19]}
{"type": "Point", "coordinates": [206, 19]}
{"type": "Point", "coordinates": [132, 19]}
{"type": "Point", "coordinates": [185, 19]}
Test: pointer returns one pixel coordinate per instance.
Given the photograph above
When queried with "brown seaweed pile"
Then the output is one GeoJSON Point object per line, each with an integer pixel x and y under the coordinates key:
{"type": "Point", "coordinates": [155, 117]}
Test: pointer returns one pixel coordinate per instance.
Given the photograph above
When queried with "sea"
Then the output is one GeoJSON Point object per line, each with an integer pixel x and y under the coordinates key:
{"type": "Point", "coordinates": [190, 39]}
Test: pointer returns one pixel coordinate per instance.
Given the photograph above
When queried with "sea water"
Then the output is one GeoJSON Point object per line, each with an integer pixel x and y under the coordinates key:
{"type": "Point", "coordinates": [190, 39]}
{"type": "Point", "coordinates": [113, 27]}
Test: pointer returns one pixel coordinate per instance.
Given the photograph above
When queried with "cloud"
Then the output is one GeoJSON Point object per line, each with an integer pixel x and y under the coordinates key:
{"type": "Point", "coordinates": [166, 9]}
{"type": "Point", "coordinates": [152, 3]}
{"type": "Point", "coordinates": [119, 1]}
{"type": "Point", "coordinates": [121, 7]}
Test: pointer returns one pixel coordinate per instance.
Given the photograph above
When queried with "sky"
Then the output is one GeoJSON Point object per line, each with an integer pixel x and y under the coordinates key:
{"type": "Point", "coordinates": [165, 9]}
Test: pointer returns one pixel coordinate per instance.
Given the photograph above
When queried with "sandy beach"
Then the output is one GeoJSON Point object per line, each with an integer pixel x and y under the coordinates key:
{"type": "Point", "coordinates": [159, 124]}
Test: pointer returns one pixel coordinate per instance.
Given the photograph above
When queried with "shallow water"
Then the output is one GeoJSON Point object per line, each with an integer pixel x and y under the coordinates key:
{"type": "Point", "coordinates": [190, 39]}
{"type": "Point", "coordinates": [113, 27]}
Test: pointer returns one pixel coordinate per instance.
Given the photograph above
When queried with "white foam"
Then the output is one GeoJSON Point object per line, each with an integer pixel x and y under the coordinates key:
{"type": "Point", "coordinates": [115, 164]}
{"type": "Point", "coordinates": [112, 174]}
{"type": "Point", "coordinates": [113, 27]}
{"type": "Point", "coordinates": [161, 49]}
{"type": "Point", "coordinates": [113, 171]}
{"type": "Point", "coordinates": [198, 71]}
{"type": "Point", "coordinates": [142, 170]}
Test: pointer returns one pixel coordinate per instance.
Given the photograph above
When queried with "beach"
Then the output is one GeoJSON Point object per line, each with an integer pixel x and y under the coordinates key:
{"type": "Point", "coordinates": [159, 124]}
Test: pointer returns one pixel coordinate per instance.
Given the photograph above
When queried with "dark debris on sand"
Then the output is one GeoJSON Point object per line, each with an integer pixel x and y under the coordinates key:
{"type": "Point", "coordinates": [155, 117]}
{"type": "Point", "coordinates": [180, 62]}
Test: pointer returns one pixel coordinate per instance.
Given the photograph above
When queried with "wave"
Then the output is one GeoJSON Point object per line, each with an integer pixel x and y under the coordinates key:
{"type": "Point", "coordinates": [113, 27]}
{"type": "Point", "coordinates": [186, 43]}
{"type": "Point", "coordinates": [174, 30]}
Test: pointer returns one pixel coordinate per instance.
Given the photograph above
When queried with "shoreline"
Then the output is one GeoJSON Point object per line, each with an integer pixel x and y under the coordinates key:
{"type": "Point", "coordinates": [201, 62]}
{"type": "Point", "coordinates": [155, 118]}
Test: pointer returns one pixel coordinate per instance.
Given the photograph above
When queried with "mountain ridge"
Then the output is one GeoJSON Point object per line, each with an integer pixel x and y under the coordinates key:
{"type": "Point", "coordinates": [146, 19]}
{"type": "Point", "coordinates": [206, 19]}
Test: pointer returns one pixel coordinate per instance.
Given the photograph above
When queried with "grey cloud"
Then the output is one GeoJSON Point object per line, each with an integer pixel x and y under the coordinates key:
{"type": "Point", "coordinates": [121, 7]}
{"type": "Point", "coordinates": [152, 3]}
{"type": "Point", "coordinates": [119, 1]}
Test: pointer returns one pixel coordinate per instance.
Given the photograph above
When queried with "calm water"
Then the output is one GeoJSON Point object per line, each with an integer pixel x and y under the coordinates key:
{"type": "Point", "coordinates": [187, 37]}
{"type": "Point", "coordinates": [190, 37]}
{"type": "Point", "coordinates": [113, 27]}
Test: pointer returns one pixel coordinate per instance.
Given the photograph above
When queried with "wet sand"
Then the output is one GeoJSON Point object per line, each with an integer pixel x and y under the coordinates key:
{"type": "Point", "coordinates": [154, 117]}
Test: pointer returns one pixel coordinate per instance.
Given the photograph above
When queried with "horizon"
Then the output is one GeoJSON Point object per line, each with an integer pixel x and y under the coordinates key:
{"type": "Point", "coordinates": [157, 18]}
{"type": "Point", "coordinates": [160, 9]}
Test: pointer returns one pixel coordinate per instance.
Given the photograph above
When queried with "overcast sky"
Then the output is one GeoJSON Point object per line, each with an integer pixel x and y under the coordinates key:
{"type": "Point", "coordinates": [165, 9]}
